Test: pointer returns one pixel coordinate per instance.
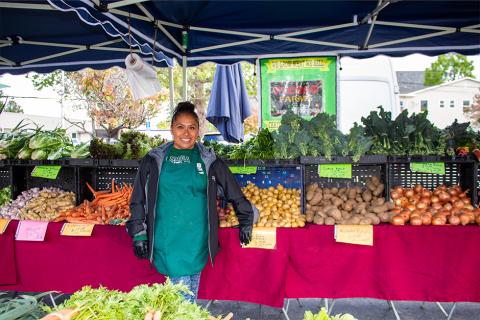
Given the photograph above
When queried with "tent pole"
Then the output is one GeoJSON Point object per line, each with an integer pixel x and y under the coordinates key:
{"type": "Point", "coordinates": [170, 78]}
{"type": "Point", "coordinates": [369, 34]}
{"type": "Point", "coordinates": [184, 69]}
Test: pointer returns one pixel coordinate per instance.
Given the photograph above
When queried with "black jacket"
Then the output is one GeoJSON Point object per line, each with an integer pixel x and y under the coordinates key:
{"type": "Point", "coordinates": [144, 196]}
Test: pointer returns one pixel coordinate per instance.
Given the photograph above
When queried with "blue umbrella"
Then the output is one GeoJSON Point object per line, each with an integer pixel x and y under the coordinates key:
{"type": "Point", "coordinates": [229, 106]}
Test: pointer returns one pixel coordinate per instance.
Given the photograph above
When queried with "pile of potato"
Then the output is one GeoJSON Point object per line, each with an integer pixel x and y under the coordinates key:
{"type": "Point", "coordinates": [47, 205]}
{"type": "Point", "coordinates": [348, 205]}
{"type": "Point", "coordinates": [226, 215]}
{"type": "Point", "coordinates": [278, 206]}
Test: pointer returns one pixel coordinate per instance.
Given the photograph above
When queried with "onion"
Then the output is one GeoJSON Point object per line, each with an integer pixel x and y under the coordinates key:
{"type": "Point", "coordinates": [418, 188]}
{"type": "Point", "coordinates": [398, 221]}
{"type": "Point", "coordinates": [422, 205]}
{"type": "Point", "coordinates": [468, 207]}
{"type": "Point", "coordinates": [436, 206]}
{"type": "Point", "coordinates": [426, 200]}
{"type": "Point", "coordinates": [434, 199]}
{"type": "Point", "coordinates": [394, 195]}
{"type": "Point", "coordinates": [477, 220]}
{"type": "Point", "coordinates": [426, 193]}
{"type": "Point", "coordinates": [411, 207]}
{"type": "Point", "coordinates": [459, 204]}
{"type": "Point", "coordinates": [416, 221]}
{"type": "Point", "coordinates": [398, 189]}
{"type": "Point", "coordinates": [463, 194]}
{"type": "Point", "coordinates": [464, 219]}
{"type": "Point", "coordinates": [448, 206]}
{"type": "Point", "coordinates": [426, 219]}
{"type": "Point", "coordinates": [409, 193]}
{"type": "Point", "coordinates": [453, 191]}
{"type": "Point", "coordinates": [444, 196]}
{"type": "Point", "coordinates": [438, 221]}
{"type": "Point", "coordinates": [466, 201]}
{"type": "Point", "coordinates": [444, 213]}
{"type": "Point", "coordinates": [454, 220]}
{"type": "Point", "coordinates": [454, 199]}
{"type": "Point", "coordinates": [442, 187]}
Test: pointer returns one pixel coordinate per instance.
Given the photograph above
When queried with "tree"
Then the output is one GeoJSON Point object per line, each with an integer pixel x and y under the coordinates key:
{"type": "Point", "coordinates": [448, 67]}
{"type": "Point", "coordinates": [473, 112]}
{"type": "Point", "coordinates": [106, 97]}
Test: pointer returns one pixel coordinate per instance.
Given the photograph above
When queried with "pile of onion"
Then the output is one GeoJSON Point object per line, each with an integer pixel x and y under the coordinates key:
{"type": "Point", "coordinates": [420, 206]}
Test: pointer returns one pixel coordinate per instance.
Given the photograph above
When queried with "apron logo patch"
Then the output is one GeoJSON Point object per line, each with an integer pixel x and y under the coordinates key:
{"type": "Point", "coordinates": [179, 159]}
{"type": "Point", "coordinates": [199, 168]}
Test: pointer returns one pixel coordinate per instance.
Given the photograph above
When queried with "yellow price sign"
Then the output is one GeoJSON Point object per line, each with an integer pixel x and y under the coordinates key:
{"type": "Point", "coordinates": [77, 229]}
{"type": "Point", "coordinates": [263, 238]}
{"type": "Point", "coordinates": [3, 225]}
{"type": "Point", "coordinates": [354, 234]}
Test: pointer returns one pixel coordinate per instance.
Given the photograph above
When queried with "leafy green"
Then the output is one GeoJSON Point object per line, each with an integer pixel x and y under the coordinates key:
{"type": "Point", "coordinates": [23, 307]}
{"type": "Point", "coordinates": [80, 151]}
{"type": "Point", "coordinates": [5, 195]}
{"type": "Point", "coordinates": [323, 315]}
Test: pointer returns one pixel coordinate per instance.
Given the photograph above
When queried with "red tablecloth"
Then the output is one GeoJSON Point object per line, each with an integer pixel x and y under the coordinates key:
{"type": "Point", "coordinates": [406, 263]}
{"type": "Point", "coordinates": [8, 270]}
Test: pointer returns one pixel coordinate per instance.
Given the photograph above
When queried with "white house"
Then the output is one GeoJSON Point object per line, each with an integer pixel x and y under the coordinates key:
{"type": "Point", "coordinates": [444, 102]}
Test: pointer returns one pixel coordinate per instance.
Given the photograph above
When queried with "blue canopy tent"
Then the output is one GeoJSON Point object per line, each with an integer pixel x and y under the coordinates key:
{"type": "Point", "coordinates": [44, 35]}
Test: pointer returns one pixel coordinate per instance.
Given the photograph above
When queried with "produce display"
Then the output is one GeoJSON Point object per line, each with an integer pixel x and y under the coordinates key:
{"type": "Point", "coordinates": [35, 204]}
{"type": "Point", "coordinates": [347, 205]}
{"type": "Point", "coordinates": [131, 145]}
{"type": "Point", "coordinates": [420, 206]}
{"type": "Point", "coordinates": [278, 206]}
{"type": "Point", "coordinates": [22, 143]}
{"type": "Point", "coordinates": [108, 207]}
{"type": "Point", "coordinates": [158, 301]}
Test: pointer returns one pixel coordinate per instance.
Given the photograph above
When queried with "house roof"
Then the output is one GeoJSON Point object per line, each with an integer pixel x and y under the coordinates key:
{"type": "Point", "coordinates": [409, 81]}
{"type": "Point", "coordinates": [440, 85]}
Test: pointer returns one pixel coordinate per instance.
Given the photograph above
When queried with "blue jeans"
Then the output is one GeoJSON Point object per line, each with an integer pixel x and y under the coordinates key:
{"type": "Point", "coordinates": [192, 282]}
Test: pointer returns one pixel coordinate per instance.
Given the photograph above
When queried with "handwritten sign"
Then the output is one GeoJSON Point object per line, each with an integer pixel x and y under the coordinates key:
{"type": "Point", "coordinates": [243, 169]}
{"type": "Point", "coordinates": [48, 172]}
{"type": "Point", "coordinates": [31, 230]}
{"type": "Point", "coordinates": [263, 238]}
{"type": "Point", "coordinates": [337, 170]}
{"type": "Point", "coordinates": [77, 229]}
{"type": "Point", "coordinates": [354, 234]}
{"type": "Point", "coordinates": [3, 225]}
{"type": "Point", "coordinates": [428, 167]}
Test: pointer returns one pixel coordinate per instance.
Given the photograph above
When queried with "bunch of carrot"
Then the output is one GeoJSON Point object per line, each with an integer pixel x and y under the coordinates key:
{"type": "Point", "coordinates": [107, 206]}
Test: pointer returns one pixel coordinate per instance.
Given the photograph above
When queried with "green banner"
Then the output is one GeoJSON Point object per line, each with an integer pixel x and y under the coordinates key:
{"type": "Point", "coordinates": [243, 169]}
{"type": "Point", "coordinates": [337, 170]}
{"type": "Point", "coordinates": [428, 167]}
{"type": "Point", "coordinates": [48, 172]}
{"type": "Point", "coordinates": [305, 85]}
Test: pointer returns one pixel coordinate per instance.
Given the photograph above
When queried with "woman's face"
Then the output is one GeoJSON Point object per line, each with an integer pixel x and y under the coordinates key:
{"type": "Point", "coordinates": [184, 131]}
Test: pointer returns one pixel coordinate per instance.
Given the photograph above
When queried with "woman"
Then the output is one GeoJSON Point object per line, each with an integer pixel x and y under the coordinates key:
{"type": "Point", "coordinates": [174, 221]}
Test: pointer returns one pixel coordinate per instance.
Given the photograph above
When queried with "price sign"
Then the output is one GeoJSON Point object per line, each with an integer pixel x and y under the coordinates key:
{"type": "Point", "coordinates": [354, 234]}
{"type": "Point", "coordinates": [263, 238]}
{"type": "Point", "coordinates": [428, 167]}
{"type": "Point", "coordinates": [31, 230]}
{"type": "Point", "coordinates": [48, 172]}
{"type": "Point", "coordinates": [337, 170]}
{"type": "Point", "coordinates": [3, 225]}
{"type": "Point", "coordinates": [77, 229]}
{"type": "Point", "coordinates": [243, 170]}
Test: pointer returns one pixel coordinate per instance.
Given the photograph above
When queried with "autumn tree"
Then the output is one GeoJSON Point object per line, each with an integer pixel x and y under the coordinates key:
{"type": "Point", "coordinates": [106, 97]}
{"type": "Point", "coordinates": [448, 67]}
{"type": "Point", "coordinates": [473, 112]}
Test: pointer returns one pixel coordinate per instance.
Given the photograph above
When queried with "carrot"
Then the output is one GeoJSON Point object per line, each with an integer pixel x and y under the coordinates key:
{"type": "Point", "coordinates": [90, 188]}
{"type": "Point", "coordinates": [113, 185]}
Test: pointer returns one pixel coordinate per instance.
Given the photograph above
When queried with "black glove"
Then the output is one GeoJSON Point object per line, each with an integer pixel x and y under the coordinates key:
{"type": "Point", "coordinates": [140, 248]}
{"type": "Point", "coordinates": [245, 233]}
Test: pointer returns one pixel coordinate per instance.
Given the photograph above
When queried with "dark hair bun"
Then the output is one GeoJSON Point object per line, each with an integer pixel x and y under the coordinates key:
{"type": "Point", "coordinates": [185, 107]}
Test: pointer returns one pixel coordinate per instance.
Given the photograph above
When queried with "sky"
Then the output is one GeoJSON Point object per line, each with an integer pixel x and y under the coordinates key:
{"type": "Point", "coordinates": [46, 101]}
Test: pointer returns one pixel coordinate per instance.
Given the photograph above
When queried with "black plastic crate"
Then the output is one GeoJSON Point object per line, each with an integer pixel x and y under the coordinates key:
{"type": "Point", "coordinates": [366, 159]}
{"type": "Point", "coordinates": [22, 180]}
{"type": "Point", "coordinates": [457, 172]}
{"type": "Point", "coordinates": [102, 176]}
{"type": "Point", "coordinates": [73, 162]}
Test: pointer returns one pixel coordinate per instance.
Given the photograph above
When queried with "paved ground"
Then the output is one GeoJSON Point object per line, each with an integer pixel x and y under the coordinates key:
{"type": "Point", "coordinates": [362, 309]}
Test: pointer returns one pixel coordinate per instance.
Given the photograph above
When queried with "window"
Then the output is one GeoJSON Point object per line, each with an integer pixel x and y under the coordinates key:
{"type": "Point", "coordinates": [423, 105]}
{"type": "Point", "coordinates": [74, 135]}
{"type": "Point", "coordinates": [402, 106]}
{"type": "Point", "coordinates": [452, 104]}
{"type": "Point", "coordinates": [466, 103]}
{"type": "Point", "coordinates": [442, 104]}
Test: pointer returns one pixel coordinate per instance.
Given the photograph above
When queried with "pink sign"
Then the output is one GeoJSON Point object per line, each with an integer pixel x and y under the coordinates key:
{"type": "Point", "coordinates": [31, 230]}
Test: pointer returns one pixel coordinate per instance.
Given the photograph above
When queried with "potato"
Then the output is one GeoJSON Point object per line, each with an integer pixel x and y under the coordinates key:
{"type": "Point", "coordinates": [329, 221]}
{"type": "Point", "coordinates": [375, 180]}
{"type": "Point", "coordinates": [367, 196]}
{"type": "Point", "coordinates": [379, 190]}
{"type": "Point", "coordinates": [335, 213]}
{"type": "Point", "coordinates": [370, 186]}
{"type": "Point", "coordinates": [310, 215]}
{"type": "Point", "coordinates": [316, 198]}
{"type": "Point", "coordinates": [373, 218]}
{"type": "Point", "coordinates": [390, 205]}
{"type": "Point", "coordinates": [360, 207]}
{"type": "Point", "coordinates": [333, 190]}
{"type": "Point", "coordinates": [384, 217]}
{"type": "Point", "coordinates": [337, 202]}
{"type": "Point", "coordinates": [355, 219]}
{"type": "Point", "coordinates": [365, 221]}
{"type": "Point", "coordinates": [352, 193]}
{"type": "Point", "coordinates": [380, 209]}
{"type": "Point", "coordinates": [318, 220]}
{"type": "Point", "coordinates": [358, 198]}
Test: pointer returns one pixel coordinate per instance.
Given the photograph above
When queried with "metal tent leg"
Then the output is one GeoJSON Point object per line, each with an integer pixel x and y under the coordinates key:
{"type": "Point", "coordinates": [439, 305]}
{"type": "Point", "coordinates": [209, 303]}
{"type": "Point", "coordinates": [329, 310]}
{"type": "Point", "coordinates": [285, 309]}
{"type": "Point", "coordinates": [450, 314]}
{"type": "Point", "coordinates": [299, 303]}
{"type": "Point", "coordinates": [392, 305]}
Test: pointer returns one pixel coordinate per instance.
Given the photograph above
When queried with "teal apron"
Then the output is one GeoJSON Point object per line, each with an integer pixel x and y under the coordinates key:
{"type": "Point", "coordinates": [181, 223]}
